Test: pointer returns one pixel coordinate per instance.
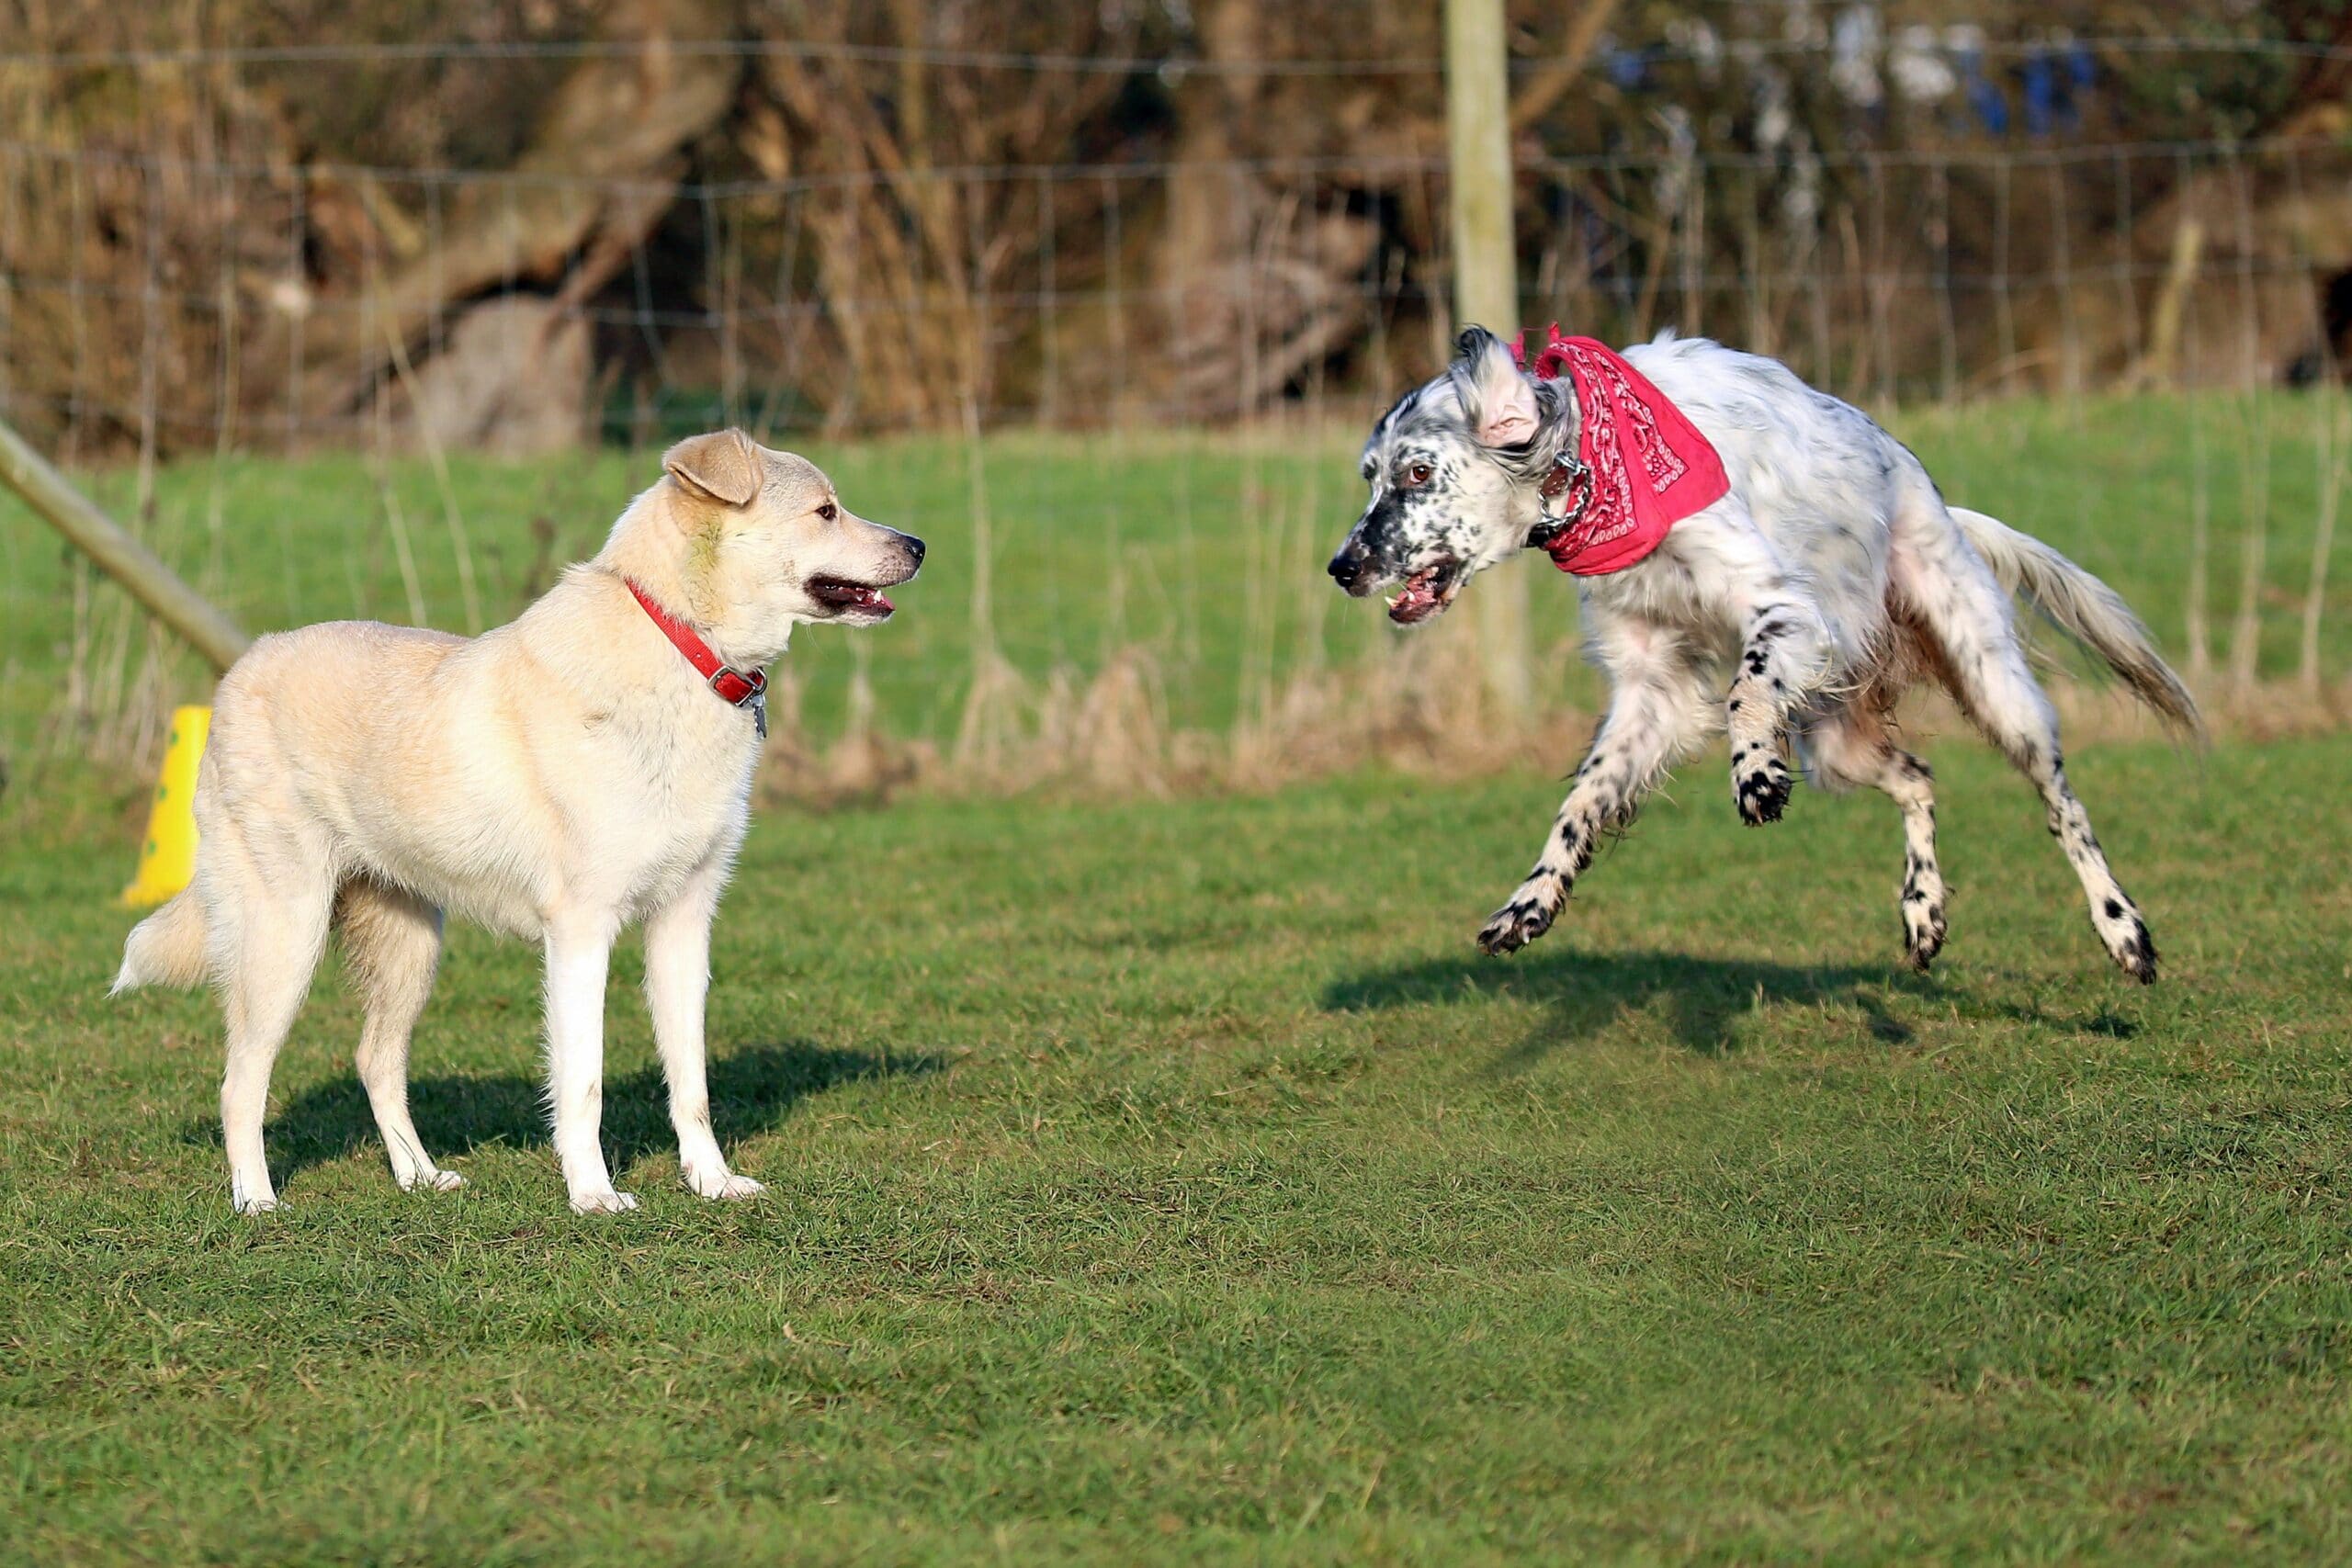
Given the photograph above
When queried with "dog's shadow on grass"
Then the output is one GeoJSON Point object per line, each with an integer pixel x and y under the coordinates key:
{"type": "Point", "coordinates": [753, 1091]}
{"type": "Point", "coordinates": [1705, 999]}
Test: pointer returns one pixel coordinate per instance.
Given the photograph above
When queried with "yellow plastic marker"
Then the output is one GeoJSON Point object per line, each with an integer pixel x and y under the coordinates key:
{"type": "Point", "coordinates": [167, 857]}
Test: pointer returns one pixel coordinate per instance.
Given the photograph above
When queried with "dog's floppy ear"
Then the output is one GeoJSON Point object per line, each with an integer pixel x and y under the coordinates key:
{"type": "Point", "coordinates": [1496, 393]}
{"type": "Point", "coordinates": [723, 465]}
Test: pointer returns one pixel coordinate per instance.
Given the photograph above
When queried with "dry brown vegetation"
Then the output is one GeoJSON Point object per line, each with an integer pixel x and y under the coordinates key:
{"type": "Point", "coordinates": [561, 218]}
{"type": "Point", "coordinates": [1424, 713]}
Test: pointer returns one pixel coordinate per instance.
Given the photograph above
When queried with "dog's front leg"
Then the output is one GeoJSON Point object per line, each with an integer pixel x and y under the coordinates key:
{"type": "Point", "coordinates": [677, 979]}
{"type": "Point", "coordinates": [1656, 711]}
{"type": "Point", "coordinates": [578, 950]}
{"type": "Point", "coordinates": [1780, 657]}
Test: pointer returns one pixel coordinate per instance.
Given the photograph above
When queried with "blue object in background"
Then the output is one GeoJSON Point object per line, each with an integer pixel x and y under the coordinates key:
{"type": "Point", "coordinates": [2082, 64]}
{"type": "Point", "coordinates": [1992, 109]}
{"type": "Point", "coordinates": [2082, 70]}
{"type": "Point", "coordinates": [2056, 83]}
{"type": "Point", "coordinates": [2041, 94]}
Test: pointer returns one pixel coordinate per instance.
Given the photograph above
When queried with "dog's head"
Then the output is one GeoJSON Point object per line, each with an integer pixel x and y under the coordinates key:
{"type": "Point", "coordinates": [768, 543]}
{"type": "Point", "coordinates": [1455, 468]}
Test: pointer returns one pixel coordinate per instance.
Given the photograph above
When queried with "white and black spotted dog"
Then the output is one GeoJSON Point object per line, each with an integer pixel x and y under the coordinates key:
{"type": "Point", "coordinates": [1828, 579]}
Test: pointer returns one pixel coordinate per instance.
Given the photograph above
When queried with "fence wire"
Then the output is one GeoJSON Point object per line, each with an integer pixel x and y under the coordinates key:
{"type": "Point", "coordinates": [189, 304]}
{"type": "Point", "coordinates": [177, 294]}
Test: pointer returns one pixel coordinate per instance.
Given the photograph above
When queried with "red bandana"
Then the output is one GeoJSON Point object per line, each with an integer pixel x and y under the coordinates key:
{"type": "Point", "coordinates": [1646, 468]}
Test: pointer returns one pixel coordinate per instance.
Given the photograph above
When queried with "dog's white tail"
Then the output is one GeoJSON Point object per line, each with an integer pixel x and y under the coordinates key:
{"type": "Point", "coordinates": [2088, 609]}
{"type": "Point", "coordinates": [166, 948]}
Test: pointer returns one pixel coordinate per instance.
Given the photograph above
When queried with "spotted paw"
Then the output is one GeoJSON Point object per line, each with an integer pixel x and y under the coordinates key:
{"type": "Point", "coordinates": [605, 1202]}
{"type": "Point", "coordinates": [1923, 933]}
{"type": "Point", "coordinates": [2129, 943]}
{"type": "Point", "coordinates": [1525, 918]}
{"type": "Point", "coordinates": [1761, 791]}
{"type": "Point", "coordinates": [1922, 903]}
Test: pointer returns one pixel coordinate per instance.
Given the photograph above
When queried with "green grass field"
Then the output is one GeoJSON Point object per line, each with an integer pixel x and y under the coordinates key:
{"type": "Point", "coordinates": [1171, 1181]}
{"type": "Point", "coordinates": [1203, 552]}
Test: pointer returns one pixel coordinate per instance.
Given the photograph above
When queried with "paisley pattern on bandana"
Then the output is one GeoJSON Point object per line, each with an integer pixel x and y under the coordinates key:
{"type": "Point", "coordinates": [1649, 467]}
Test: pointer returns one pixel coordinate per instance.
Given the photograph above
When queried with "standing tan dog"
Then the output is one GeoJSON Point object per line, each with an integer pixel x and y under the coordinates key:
{"type": "Point", "coordinates": [586, 766]}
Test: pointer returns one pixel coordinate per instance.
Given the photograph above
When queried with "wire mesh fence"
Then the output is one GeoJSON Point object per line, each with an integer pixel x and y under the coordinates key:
{"type": "Point", "coordinates": [185, 306]}
{"type": "Point", "coordinates": [1124, 379]}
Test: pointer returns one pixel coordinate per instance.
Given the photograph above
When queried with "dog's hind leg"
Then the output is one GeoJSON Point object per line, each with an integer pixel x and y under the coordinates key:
{"type": "Point", "coordinates": [391, 939]}
{"type": "Point", "coordinates": [2012, 710]}
{"type": "Point", "coordinates": [1658, 708]}
{"type": "Point", "coordinates": [267, 914]}
{"type": "Point", "coordinates": [1948, 591]}
{"type": "Point", "coordinates": [1853, 746]}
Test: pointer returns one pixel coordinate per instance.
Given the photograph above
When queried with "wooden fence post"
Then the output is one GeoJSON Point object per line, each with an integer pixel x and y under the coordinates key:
{"type": "Point", "coordinates": [1486, 282]}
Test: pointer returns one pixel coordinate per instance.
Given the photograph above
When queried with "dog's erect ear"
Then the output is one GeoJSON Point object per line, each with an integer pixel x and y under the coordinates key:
{"type": "Point", "coordinates": [724, 466]}
{"type": "Point", "coordinates": [1496, 393]}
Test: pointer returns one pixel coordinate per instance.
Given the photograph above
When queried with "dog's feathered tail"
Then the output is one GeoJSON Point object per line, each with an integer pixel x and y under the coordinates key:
{"type": "Point", "coordinates": [2086, 609]}
{"type": "Point", "coordinates": [166, 948]}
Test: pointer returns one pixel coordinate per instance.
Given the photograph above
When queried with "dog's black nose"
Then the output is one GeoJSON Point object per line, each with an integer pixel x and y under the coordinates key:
{"type": "Point", "coordinates": [1347, 566]}
{"type": "Point", "coordinates": [916, 546]}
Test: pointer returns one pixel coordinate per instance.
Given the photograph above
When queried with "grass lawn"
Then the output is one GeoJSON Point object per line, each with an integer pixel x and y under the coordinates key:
{"type": "Point", "coordinates": [1171, 1181]}
{"type": "Point", "coordinates": [1202, 552]}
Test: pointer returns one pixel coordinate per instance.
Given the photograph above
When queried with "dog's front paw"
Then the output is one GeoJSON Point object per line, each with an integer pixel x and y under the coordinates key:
{"type": "Point", "coordinates": [723, 1185]}
{"type": "Point", "coordinates": [1761, 790]}
{"type": "Point", "coordinates": [605, 1202]}
{"type": "Point", "coordinates": [433, 1181]}
{"type": "Point", "coordinates": [1923, 932]}
{"type": "Point", "coordinates": [1922, 904]}
{"type": "Point", "coordinates": [2126, 937]}
{"type": "Point", "coordinates": [1528, 916]}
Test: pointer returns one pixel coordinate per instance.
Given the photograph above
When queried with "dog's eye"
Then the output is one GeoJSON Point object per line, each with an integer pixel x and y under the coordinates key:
{"type": "Point", "coordinates": [829, 512]}
{"type": "Point", "coordinates": [1418, 474]}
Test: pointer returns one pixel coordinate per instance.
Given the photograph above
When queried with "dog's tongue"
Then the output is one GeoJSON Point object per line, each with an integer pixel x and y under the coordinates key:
{"type": "Point", "coordinates": [852, 596]}
{"type": "Point", "coordinates": [1416, 600]}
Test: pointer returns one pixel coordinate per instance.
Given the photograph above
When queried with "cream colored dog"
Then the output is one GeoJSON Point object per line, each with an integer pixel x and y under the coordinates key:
{"type": "Point", "coordinates": [554, 779]}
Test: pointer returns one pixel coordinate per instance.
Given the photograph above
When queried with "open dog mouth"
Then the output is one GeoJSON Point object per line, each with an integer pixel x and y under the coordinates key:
{"type": "Point", "coordinates": [848, 598]}
{"type": "Point", "coordinates": [1425, 593]}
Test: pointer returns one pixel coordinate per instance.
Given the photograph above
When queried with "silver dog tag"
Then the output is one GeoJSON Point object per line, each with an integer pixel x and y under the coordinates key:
{"type": "Point", "coordinates": [760, 714]}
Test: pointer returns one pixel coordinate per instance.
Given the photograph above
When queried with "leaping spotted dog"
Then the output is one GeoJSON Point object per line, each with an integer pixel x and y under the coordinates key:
{"type": "Point", "coordinates": [1724, 519]}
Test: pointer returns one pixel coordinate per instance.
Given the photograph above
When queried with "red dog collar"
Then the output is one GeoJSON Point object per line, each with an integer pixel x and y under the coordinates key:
{"type": "Point", "coordinates": [738, 688]}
